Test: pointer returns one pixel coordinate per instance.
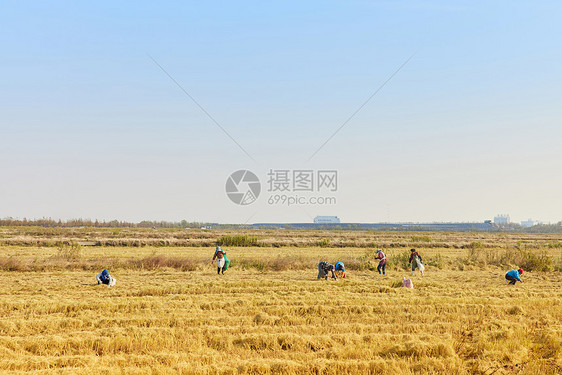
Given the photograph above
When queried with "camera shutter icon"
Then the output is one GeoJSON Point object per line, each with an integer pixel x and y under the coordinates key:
{"type": "Point", "coordinates": [243, 187]}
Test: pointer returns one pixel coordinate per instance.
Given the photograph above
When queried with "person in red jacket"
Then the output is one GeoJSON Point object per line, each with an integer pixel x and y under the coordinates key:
{"type": "Point", "coordinates": [382, 262]}
{"type": "Point", "coordinates": [416, 261]}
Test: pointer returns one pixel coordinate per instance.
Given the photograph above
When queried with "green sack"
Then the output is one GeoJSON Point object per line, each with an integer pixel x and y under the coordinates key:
{"type": "Point", "coordinates": [226, 263]}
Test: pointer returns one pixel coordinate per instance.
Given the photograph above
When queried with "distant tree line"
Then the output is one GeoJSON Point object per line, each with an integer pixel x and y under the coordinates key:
{"type": "Point", "coordinates": [543, 228]}
{"type": "Point", "coordinates": [74, 223]}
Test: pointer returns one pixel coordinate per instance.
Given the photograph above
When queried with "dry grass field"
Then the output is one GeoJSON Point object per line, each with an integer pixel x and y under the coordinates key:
{"type": "Point", "coordinates": [171, 313]}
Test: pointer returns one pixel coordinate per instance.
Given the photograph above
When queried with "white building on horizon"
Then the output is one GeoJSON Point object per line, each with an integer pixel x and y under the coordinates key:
{"type": "Point", "coordinates": [502, 219]}
{"type": "Point", "coordinates": [326, 220]}
{"type": "Point", "coordinates": [529, 223]}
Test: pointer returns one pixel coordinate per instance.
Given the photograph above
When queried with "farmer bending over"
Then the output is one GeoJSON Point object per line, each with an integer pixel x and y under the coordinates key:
{"type": "Point", "coordinates": [219, 256]}
{"type": "Point", "coordinates": [340, 269]}
{"type": "Point", "coordinates": [513, 276]}
{"type": "Point", "coordinates": [324, 268]}
{"type": "Point", "coordinates": [105, 278]}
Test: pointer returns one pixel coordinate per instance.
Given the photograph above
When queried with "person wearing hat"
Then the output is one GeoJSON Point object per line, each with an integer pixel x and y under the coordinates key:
{"type": "Point", "coordinates": [340, 269]}
{"type": "Point", "coordinates": [105, 278]}
{"type": "Point", "coordinates": [324, 268]}
{"type": "Point", "coordinates": [513, 276]}
{"type": "Point", "coordinates": [221, 261]}
{"type": "Point", "coordinates": [382, 262]}
{"type": "Point", "coordinates": [415, 261]}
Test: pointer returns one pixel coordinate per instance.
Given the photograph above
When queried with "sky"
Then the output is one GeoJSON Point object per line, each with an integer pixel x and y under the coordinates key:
{"type": "Point", "coordinates": [142, 111]}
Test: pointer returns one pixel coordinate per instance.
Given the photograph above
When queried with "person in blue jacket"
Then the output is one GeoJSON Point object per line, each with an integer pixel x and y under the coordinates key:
{"type": "Point", "coordinates": [513, 276]}
{"type": "Point", "coordinates": [105, 278]}
{"type": "Point", "coordinates": [340, 269]}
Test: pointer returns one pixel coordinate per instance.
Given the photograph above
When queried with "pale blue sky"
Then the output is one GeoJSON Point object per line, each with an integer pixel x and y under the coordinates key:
{"type": "Point", "coordinates": [469, 128]}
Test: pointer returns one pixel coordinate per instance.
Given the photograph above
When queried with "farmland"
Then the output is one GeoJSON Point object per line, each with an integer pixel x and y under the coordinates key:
{"type": "Point", "coordinates": [171, 313]}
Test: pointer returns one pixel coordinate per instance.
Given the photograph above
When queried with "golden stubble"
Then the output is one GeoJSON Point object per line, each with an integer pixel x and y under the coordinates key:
{"type": "Point", "coordinates": [460, 318]}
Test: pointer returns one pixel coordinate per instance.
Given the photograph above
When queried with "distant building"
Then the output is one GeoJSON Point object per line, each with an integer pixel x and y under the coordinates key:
{"type": "Point", "coordinates": [528, 223]}
{"type": "Point", "coordinates": [326, 220]}
{"type": "Point", "coordinates": [502, 219]}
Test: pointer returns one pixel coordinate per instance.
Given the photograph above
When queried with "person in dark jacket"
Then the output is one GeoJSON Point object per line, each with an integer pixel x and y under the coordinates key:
{"type": "Point", "coordinates": [324, 268]}
{"type": "Point", "coordinates": [513, 276]}
{"type": "Point", "coordinates": [415, 261]}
